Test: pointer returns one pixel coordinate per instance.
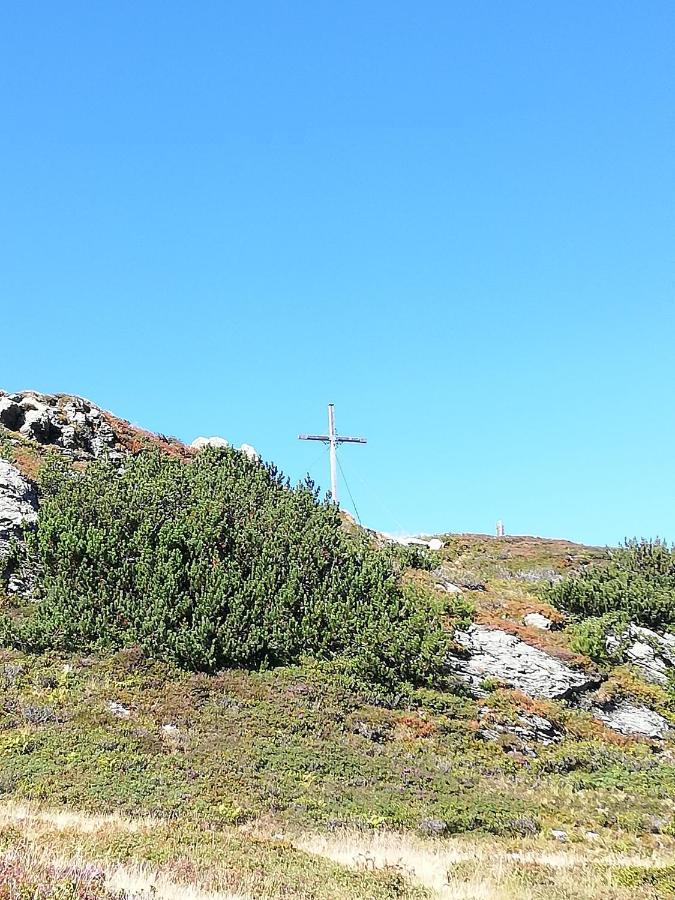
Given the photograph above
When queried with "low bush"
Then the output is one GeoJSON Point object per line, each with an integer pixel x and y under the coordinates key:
{"type": "Point", "coordinates": [213, 563]}
{"type": "Point", "coordinates": [637, 579]}
{"type": "Point", "coordinates": [602, 638]}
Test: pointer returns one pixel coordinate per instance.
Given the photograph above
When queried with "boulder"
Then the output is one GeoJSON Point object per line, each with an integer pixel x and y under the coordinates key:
{"type": "Point", "coordinates": [39, 426]}
{"type": "Point", "coordinates": [201, 442]}
{"type": "Point", "coordinates": [448, 587]}
{"type": "Point", "coordinates": [536, 620]}
{"type": "Point", "coordinates": [249, 452]}
{"type": "Point", "coordinates": [491, 653]}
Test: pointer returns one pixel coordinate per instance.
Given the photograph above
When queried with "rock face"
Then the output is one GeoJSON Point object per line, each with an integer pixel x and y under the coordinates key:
{"type": "Point", "coordinates": [496, 654]}
{"type": "Point", "coordinates": [652, 653]}
{"type": "Point", "coordinates": [75, 426]}
{"type": "Point", "coordinates": [18, 503]}
{"type": "Point", "coordinates": [631, 719]}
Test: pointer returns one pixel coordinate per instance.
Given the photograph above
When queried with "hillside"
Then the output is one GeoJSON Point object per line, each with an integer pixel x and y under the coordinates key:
{"type": "Point", "coordinates": [529, 754]}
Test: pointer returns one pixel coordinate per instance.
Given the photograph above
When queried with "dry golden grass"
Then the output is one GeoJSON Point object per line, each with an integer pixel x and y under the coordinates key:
{"type": "Point", "coordinates": [466, 869]}
{"type": "Point", "coordinates": [450, 869]}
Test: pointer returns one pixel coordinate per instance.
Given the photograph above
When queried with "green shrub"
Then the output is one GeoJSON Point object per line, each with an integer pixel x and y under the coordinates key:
{"type": "Point", "coordinates": [214, 563]}
{"type": "Point", "coordinates": [590, 637]}
{"type": "Point", "coordinates": [637, 579]}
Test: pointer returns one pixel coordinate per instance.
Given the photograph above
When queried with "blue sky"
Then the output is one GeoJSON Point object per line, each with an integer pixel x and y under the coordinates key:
{"type": "Point", "coordinates": [456, 221]}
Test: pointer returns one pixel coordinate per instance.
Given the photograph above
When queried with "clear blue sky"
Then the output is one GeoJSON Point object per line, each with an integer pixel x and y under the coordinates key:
{"type": "Point", "coordinates": [454, 220]}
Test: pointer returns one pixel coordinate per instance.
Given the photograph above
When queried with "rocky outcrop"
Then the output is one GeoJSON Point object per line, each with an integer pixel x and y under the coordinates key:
{"type": "Point", "coordinates": [73, 425]}
{"type": "Point", "coordinates": [18, 503]}
{"type": "Point", "coordinates": [632, 719]}
{"type": "Point", "coordinates": [491, 653]}
{"type": "Point", "coordinates": [529, 729]}
{"type": "Point", "coordinates": [652, 653]}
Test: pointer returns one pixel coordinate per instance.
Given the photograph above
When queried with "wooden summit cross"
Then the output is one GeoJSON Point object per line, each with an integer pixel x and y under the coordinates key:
{"type": "Point", "coordinates": [332, 439]}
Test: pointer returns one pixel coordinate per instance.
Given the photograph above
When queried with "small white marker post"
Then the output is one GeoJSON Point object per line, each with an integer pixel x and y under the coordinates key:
{"type": "Point", "coordinates": [332, 439]}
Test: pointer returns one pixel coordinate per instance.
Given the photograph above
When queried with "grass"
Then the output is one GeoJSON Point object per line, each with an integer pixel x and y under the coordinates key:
{"type": "Point", "coordinates": [112, 856]}
{"type": "Point", "coordinates": [309, 749]}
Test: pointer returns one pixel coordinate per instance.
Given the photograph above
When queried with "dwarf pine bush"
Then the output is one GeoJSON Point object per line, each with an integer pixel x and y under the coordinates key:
{"type": "Point", "coordinates": [213, 563]}
{"type": "Point", "coordinates": [636, 579]}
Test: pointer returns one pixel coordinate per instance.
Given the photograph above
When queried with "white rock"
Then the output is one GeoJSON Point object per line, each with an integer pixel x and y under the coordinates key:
{"type": "Point", "coordinates": [215, 441]}
{"type": "Point", "coordinates": [18, 501]}
{"type": "Point", "coordinates": [249, 452]}
{"type": "Point", "coordinates": [537, 620]}
{"type": "Point", "coordinates": [628, 718]}
{"type": "Point", "coordinates": [449, 587]}
{"type": "Point", "coordinates": [559, 835]}
{"type": "Point", "coordinates": [118, 710]}
{"type": "Point", "coordinates": [435, 544]}
{"type": "Point", "coordinates": [494, 653]}
{"type": "Point", "coordinates": [652, 653]}
{"type": "Point", "coordinates": [649, 651]}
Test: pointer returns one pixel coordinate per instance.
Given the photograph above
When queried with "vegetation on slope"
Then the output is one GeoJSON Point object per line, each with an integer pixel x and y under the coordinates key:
{"type": "Point", "coordinates": [217, 563]}
{"type": "Point", "coordinates": [310, 748]}
{"type": "Point", "coordinates": [636, 580]}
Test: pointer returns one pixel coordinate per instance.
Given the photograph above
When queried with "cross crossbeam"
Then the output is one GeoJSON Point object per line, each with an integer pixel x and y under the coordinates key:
{"type": "Point", "coordinates": [332, 439]}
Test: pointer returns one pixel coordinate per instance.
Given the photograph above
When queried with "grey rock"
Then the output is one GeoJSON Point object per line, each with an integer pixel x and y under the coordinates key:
{"type": "Point", "coordinates": [73, 425]}
{"type": "Point", "coordinates": [529, 728]}
{"type": "Point", "coordinates": [652, 653]}
{"type": "Point", "coordinates": [39, 426]}
{"type": "Point", "coordinates": [632, 719]}
{"type": "Point", "coordinates": [537, 576]}
{"type": "Point", "coordinates": [448, 587]}
{"type": "Point", "coordinates": [536, 620]}
{"type": "Point", "coordinates": [433, 826]}
{"type": "Point", "coordinates": [18, 502]}
{"type": "Point", "coordinates": [496, 654]}
{"type": "Point", "coordinates": [371, 732]}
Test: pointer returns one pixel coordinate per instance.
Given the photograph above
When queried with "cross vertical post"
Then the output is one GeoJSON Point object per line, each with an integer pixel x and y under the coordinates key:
{"type": "Point", "coordinates": [332, 439]}
{"type": "Point", "coordinates": [332, 451]}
